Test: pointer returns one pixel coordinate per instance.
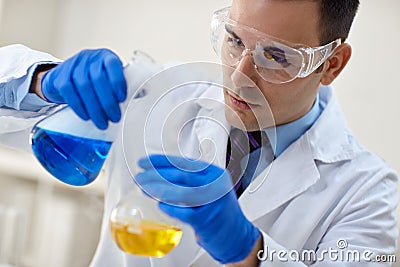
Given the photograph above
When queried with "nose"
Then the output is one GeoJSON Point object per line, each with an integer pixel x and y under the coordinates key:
{"type": "Point", "coordinates": [244, 73]}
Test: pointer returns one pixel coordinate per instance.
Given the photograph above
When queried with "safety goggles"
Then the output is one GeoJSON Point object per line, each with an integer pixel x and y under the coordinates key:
{"type": "Point", "coordinates": [275, 60]}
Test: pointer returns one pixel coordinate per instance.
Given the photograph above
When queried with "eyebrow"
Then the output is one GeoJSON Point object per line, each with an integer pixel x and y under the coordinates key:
{"type": "Point", "coordinates": [227, 28]}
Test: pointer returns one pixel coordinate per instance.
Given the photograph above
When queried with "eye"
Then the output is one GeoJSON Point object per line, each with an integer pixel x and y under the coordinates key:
{"type": "Point", "coordinates": [235, 42]}
{"type": "Point", "coordinates": [275, 54]}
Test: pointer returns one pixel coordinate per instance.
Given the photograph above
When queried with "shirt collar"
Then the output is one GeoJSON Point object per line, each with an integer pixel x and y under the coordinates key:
{"type": "Point", "coordinates": [282, 136]}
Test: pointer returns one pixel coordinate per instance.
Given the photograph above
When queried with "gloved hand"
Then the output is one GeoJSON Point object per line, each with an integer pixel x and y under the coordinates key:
{"type": "Point", "coordinates": [91, 83]}
{"type": "Point", "coordinates": [220, 226]}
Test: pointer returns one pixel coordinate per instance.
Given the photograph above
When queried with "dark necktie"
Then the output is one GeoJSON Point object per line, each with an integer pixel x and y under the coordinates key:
{"type": "Point", "coordinates": [240, 144]}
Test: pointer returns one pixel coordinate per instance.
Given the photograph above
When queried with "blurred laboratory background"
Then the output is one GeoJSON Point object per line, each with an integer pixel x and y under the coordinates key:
{"type": "Point", "coordinates": [44, 223]}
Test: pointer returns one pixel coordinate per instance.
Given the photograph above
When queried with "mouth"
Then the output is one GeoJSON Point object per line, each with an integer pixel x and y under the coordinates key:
{"type": "Point", "coordinates": [238, 102]}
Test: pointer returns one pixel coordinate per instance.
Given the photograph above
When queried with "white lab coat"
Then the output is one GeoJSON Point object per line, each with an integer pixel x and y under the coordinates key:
{"type": "Point", "coordinates": [324, 188]}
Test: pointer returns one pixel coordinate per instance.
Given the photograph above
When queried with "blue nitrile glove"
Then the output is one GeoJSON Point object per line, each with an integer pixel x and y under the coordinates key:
{"type": "Point", "coordinates": [220, 226]}
{"type": "Point", "coordinates": [91, 83]}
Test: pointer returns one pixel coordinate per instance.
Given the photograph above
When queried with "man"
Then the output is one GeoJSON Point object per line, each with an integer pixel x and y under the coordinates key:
{"type": "Point", "coordinates": [325, 194]}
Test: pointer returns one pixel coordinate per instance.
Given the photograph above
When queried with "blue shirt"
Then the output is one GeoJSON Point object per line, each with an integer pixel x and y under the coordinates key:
{"type": "Point", "coordinates": [286, 134]}
{"type": "Point", "coordinates": [15, 93]}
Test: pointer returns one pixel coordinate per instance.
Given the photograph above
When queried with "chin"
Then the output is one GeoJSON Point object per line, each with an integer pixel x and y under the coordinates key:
{"type": "Point", "coordinates": [252, 120]}
{"type": "Point", "coordinates": [241, 120]}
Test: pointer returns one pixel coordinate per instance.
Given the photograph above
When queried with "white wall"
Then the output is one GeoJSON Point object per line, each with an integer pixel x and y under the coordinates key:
{"type": "Point", "coordinates": [30, 22]}
{"type": "Point", "coordinates": [1, 9]}
{"type": "Point", "coordinates": [369, 88]}
{"type": "Point", "coordinates": [179, 30]}
{"type": "Point", "coordinates": [168, 30]}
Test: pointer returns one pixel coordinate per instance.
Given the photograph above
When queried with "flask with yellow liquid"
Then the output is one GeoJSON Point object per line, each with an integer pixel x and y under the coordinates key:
{"type": "Point", "coordinates": [153, 125]}
{"type": "Point", "coordinates": [138, 227]}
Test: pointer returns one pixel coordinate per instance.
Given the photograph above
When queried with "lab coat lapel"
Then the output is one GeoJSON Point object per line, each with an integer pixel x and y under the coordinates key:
{"type": "Point", "coordinates": [293, 172]}
{"type": "Point", "coordinates": [286, 177]}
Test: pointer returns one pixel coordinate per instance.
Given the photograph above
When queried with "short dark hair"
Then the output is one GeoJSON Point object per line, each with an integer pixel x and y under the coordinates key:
{"type": "Point", "coordinates": [336, 18]}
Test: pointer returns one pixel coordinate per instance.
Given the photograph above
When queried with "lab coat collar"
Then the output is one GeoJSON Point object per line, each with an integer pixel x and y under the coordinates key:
{"type": "Point", "coordinates": [285, 178]}
{"type": "Point", "coordinates": [295, 170]}
{"type": "Point", "coordinates": [330, 138]}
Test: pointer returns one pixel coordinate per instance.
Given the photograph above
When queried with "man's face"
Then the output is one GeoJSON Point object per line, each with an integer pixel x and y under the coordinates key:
{"type": "Point", "coordinates": [293, 21]}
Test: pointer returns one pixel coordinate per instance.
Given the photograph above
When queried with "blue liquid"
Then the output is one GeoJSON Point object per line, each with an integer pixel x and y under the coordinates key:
{"type": "Point", "coordinates": [71, 159]}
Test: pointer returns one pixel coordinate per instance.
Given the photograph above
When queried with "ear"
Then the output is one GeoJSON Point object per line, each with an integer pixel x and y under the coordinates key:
{"type": "Point", "coordinates": [336, 63]}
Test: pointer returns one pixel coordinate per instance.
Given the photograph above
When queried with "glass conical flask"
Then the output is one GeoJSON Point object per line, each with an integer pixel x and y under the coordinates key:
{"type": "Point", "coordinates": [137, 224]}
{"type": "Point", "coordinates": [71, 149]}
{"type": "Point", "coordinates": [74, 150]}
{"type": "Point", "coordinates": [138, 227]}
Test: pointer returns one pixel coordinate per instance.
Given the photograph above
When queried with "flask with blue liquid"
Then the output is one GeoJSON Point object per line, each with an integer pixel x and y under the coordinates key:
{"type": "Point", "coordinates": [70, 149]}
{"type": "Point", "coordinates": [74, 150]}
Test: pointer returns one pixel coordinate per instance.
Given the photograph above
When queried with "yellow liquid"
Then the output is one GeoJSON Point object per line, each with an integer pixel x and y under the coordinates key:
{"type": "Point", "coordinates": [147, 238]}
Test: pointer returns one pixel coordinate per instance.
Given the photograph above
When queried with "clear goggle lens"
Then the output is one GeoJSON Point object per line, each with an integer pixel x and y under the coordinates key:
{"type": "Point", "coordinates": [275, 60]}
